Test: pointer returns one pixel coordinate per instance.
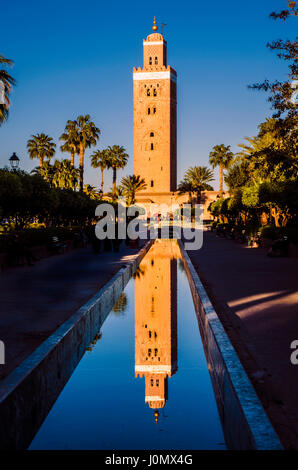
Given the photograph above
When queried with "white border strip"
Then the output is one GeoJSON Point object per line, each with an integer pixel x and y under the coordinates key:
{"type": "Point", "coordinates": [154, 76]}
{"type": "Point", "coordinates": [153, 43]}
{"type": "Point", "coordinates": [158, 369]}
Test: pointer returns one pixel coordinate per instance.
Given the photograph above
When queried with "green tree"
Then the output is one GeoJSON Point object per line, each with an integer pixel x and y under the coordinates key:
{"type": "Point", "coordinates": [238, 175]}
{"type": "Point", "coordinates": [221, 156]}
{"type": "Point", "coordinates": [71, 140]}
{"type": "Point", "coordinates": [65, 176]}
{"type": "Point", "coordinates": [272, 155]}
{"type": "Point", "coordinates": [131, 185]}
{"type": "Point", "coordinates": [199, 177]}
{"type": "Point", "coordinates": [88, 134]}
{"type": "Point", "coordinates": [41, 146]}
{"type": "Point", "coordinates": [11, 193]}
{"type": "Point", "coordinates": [100, 159]}
{"type": "Point", "coordinates": [6, 84]}
{"type": "Point", "coordinates": [281, 92]}
{"type": "Point", "coordinates": [117, 159]}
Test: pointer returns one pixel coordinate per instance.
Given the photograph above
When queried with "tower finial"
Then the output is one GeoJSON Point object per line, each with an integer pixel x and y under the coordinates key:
{"type": "Point", "coordinates": [154, 27]}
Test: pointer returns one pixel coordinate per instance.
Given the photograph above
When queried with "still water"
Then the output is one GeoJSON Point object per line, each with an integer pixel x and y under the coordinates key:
{"type": "Point", "coordinates": [144, 384]}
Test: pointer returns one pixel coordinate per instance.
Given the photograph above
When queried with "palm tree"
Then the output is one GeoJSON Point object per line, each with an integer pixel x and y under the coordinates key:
{"type": "Point", "coordinates": [46, 171]}
{"type": "Point", "coordinates": [65, 175]}
{"type": "Point", "coordinates": [6, 83]}
{"type": "Point", "coordinates": [91, 191]}
{"type": "Point", "coordinates": [71, 140]}
{"type": "Point", "coordinates": [221, 156]}
{"type": "Point", "coordinates": [185, 187]}
{"type": "Point", "coordinates": [100, 159]}
{"type": "Point", "coordinates": [117, 159]}
{"type": "Point", "coordinates": [41, 146]}
{"type": "Point", "coordinates": [131, 185]}
{"type": "Point", "coordinates": [119, 192]}
{"type": "Point", "coordinates": [199, 178]}
{"type": "Point", "coordinates": [88, 135]}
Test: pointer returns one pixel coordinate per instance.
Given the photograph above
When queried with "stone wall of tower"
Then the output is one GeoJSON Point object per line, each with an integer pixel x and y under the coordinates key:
{"type": "Point", "coordinates": [155, 119]}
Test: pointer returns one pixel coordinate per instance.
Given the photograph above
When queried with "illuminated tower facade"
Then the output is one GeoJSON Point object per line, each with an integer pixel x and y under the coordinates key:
{"type": "Point", "coordinates": [156, 321]}
{"type": "Point", "coordinates": [155, 120]}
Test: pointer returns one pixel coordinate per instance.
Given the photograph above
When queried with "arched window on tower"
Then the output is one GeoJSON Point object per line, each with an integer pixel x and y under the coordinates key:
{"type": "Point", "coordinates": [150, 60]}
{"type": "Point", "coordinates": [156, 60]}
{"type": "Point", "coordinates": [154, 92]}
{"type": "Point", "coordinates": [148, 111]}
{"type": "Point", "coordinates": [154, 110]}
{"type": "Point", "coordinates": [148, 91]}
{"type": "Point", "coordinates": [151, 147]}
{"type": "Point", "coordinates": [151, 134]}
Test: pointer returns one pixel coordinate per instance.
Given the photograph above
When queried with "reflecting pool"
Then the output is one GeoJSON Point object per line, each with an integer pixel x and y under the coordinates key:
{"type": "Point", "coordinates": [144, 382]}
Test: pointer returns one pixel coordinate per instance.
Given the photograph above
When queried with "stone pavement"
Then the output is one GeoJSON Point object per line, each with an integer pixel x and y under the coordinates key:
{"type": "Point", "coordinates": [256, 298]}
{"type": "Point", "coordinates": [36, 300]}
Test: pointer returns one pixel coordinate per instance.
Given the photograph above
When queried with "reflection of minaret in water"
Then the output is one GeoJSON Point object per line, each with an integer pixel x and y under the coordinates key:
{"type": "Point", "coordinates": [156, 321]}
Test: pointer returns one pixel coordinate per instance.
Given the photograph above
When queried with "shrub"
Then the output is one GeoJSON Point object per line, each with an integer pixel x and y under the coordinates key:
{"type": "Point", "coordinates": [37, 236]}
{"type": "Point", "coordinates": [269, 231]}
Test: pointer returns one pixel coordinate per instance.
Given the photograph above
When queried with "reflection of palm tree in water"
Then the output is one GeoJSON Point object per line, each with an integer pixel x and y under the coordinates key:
{"type": "Point", "coordinates": [181, 265]}
{"type": "Point", "coordinates": [93, 343]}
{"type": "Point", "coordinates": [139, 272]}
{"type": "Point", "coordinates": [120, 305]}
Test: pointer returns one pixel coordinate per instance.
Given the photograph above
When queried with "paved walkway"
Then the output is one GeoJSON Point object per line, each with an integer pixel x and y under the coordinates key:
{"type": "Point", "coordinates": [36, 300]}
{"type": "Point", "coordinates": [256, 298]}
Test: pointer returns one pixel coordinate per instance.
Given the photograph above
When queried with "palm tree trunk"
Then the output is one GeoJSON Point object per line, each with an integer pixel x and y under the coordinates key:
{"type": "Point", "coordinates": [101, 183]}
{"type": "Point", "coordinates": [220, 180]}
{"type": "Point", "coordinates": [81, 167]}
{"type": "Point", "coordinates": [72, 159]}
{"type": "Point", "coordinates": [114, 181]}
{"type": "Point", "coordinates": [40, 161]}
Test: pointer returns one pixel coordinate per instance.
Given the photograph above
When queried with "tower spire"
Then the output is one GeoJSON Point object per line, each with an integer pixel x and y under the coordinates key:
{"type": "Point", "coordinates": [154, 27]}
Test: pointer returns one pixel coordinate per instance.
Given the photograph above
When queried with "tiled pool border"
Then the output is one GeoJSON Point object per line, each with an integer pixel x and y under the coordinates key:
{"type": "Point", "coordinates": [245, 423]}
{"type": "Point", "coordinates": [28, 393]}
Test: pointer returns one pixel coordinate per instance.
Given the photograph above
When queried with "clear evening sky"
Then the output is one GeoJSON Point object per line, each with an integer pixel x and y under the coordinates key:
{"type": "Point", "coordinates": [73, 57]}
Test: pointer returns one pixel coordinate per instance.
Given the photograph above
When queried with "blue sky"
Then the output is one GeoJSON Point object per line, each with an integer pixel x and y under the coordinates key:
{"type": "Point", "coordinates": [74, 57]}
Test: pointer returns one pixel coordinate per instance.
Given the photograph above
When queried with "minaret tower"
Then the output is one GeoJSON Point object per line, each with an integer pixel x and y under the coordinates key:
{"type": "Point", "coordinates": [155, 121]}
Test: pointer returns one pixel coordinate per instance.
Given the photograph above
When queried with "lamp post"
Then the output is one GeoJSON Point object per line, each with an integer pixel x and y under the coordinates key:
{"type": "Point", "coordinates": [14, 161]}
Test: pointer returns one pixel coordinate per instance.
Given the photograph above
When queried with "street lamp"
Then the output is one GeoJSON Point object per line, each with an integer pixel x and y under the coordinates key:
{"type": "Point", "coordinates": [14, 161]}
